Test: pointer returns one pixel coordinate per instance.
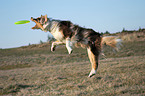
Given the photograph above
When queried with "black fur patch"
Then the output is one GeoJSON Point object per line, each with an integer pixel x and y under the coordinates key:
{"type": "Point", "coordinates": [65, 28]}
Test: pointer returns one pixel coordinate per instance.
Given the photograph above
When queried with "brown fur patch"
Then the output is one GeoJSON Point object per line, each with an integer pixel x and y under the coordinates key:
{"type": "Point", "coordinates": [66, 31]}
{"type": "Point", "coordinates": [93, 58]}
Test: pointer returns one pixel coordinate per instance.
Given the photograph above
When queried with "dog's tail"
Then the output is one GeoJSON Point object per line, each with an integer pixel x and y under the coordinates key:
{"type": "Point", "coordinates": [112, 41]}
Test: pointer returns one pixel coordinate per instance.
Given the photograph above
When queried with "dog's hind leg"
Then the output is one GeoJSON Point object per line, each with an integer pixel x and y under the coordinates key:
{"type": "Point", "coordinates": [54, 44]}
{"type": "Point", "coordinates": [94, 61]}
{"type": "Point", "coordinates": [69, 45]}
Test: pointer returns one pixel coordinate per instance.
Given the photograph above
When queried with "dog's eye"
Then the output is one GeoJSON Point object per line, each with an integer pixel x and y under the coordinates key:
{"type": "Point", "coordinates": [42, 20]}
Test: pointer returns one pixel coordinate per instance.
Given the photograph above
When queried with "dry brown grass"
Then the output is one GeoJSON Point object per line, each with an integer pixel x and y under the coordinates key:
{"type": "Point", "coordinates": [33, 71]}
{"type": "Point", "coordinates": [133, 37]}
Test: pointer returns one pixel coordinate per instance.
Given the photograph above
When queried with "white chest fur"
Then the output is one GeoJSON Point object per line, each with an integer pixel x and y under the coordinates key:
{"type": "Point", "coordinates": [58, 35]}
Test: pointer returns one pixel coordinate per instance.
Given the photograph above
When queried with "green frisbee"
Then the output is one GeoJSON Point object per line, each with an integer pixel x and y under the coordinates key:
{"type": "Point", "coordinates": [22, 22]}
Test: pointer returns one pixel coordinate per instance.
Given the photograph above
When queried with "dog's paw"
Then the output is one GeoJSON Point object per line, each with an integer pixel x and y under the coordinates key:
{"type": "Point", "coordinates": [52, 48]}
{"type": "Point", "coordinates": [70, 51]}
{"type": "Point", "coordinates": [92, 73]}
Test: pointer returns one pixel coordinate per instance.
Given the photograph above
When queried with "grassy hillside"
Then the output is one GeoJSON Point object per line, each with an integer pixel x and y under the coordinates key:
{"type": "Point", "coordinates": [34, 70]}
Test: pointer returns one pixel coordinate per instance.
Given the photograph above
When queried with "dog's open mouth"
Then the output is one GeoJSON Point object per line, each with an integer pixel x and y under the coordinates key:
{"type": "Point", "coordinates": [38, 25]}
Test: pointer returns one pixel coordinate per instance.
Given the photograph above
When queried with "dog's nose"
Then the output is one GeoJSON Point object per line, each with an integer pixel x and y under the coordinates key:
{"type": "Point", "coordinates": [31, 18]}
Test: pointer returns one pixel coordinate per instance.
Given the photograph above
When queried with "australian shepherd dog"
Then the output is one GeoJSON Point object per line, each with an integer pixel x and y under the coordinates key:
{"type": "Point", "coordinates": [65, 32]}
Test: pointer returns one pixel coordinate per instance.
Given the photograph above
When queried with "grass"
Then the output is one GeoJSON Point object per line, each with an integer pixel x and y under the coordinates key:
{"type": "Point", "coordinates": [8, 67]}
{"type": "Point", "coordinates": [35, 71]}
{"type": "Point", "coordinates": [133, 37]}
{"type": "Point", "coordinates": [128, 49]}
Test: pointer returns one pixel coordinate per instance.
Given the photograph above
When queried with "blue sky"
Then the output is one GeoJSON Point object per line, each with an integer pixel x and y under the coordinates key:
{"type": "Point", "coordinates": [100, 15]}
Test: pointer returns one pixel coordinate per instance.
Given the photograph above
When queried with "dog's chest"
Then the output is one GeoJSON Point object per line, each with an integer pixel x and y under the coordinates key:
{"type": "Point", "coordinates": [58, 35]}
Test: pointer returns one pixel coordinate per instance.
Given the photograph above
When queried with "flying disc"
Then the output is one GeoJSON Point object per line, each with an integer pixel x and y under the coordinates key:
{"type": "Point", "coordinates": [22, 22]}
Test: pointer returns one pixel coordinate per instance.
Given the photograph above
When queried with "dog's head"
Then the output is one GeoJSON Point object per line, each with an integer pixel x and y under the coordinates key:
{"type": "Point", "coordinates": [40, 21]}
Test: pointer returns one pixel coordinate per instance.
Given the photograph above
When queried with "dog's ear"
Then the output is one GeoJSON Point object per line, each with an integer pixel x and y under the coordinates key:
{"type": "Point", "coordinates": [46, 18]}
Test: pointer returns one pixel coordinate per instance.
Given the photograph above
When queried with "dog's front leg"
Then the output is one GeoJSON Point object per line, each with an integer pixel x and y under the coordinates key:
{"type": "Point", "coordinates": [68, 45]}
{"type": "Point", "coordinates": [54, 44]}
